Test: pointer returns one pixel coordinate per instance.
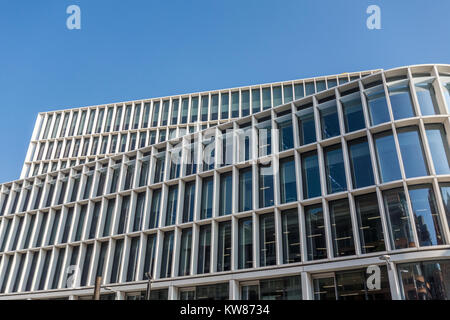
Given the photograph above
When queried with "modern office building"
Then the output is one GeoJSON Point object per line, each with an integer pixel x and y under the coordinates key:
{"type": "Point", "coordinates": [309, 189]}
{"type": "Point", "coordinates": [70, 137]}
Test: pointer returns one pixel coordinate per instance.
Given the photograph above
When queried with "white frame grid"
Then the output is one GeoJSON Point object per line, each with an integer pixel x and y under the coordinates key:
{"type": "Point", "coordinates": [235, 276]}
{"type": "Point", "coordinates": [48, 131]}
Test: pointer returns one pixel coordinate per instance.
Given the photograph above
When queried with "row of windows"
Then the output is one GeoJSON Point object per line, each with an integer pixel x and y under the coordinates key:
{"type": "Point", "coordinates": [338, 285]}
{"type": "Point", "coordinates": [312, 171]}
{"type": "Point", "coordinates": [88, 148]}
{"type": "Point", "coordinates": [328, 115]}
{"type": "Point", "coordinates": [181, 110]}
{"type": "Point", "coordinates": [420, 227]}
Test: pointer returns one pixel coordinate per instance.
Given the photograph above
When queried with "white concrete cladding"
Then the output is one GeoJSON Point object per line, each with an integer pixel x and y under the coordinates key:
{"type": "Point", "coordinates": [68, 137]}
{"type": "Point", "coordinates": [356, 172]}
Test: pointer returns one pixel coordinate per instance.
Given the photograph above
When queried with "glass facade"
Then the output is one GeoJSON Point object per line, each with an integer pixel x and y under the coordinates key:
{"type": "Point", "coordinates": [341, 228]}
{"type": "Point", "coordinates": [401, 103]}
{"type": "Point", "coordinates": [370, 226]}
{"type": "Point", "coordinates": [360, 163]}
{"type": "Point", "coordinates": [310, 175]}
{"type": "Point", "coordinates": [245, 243]}
{"type": "Point", "coordinates": [398, 219]}
{"type": "Point", "coordinates": [426, 217]}
{"type": "Point", "coordinates": [333, 204]}
{"type": "Point", "coordinates": [245, 189]}
{"type": "Point", "coordinates": [387, 160]}
{"type": "Point", "coordinates": [353, 113]}
{"type": "Point", "coordinates": [315, 233]}
{"type": "Point", "coordinates": [329, 121]}
{"type": "Point", "coordinates": [425, 280]}
{"type": "Point", "coordinates": [288, 185]}
{"type": "Point", "coordinates": [335, 171]}
{"type": "Point", "coordinates": [267, 242]}
{"type": "Point", "coordinates": [290, 236]}
{"type": "Point", "coordinates": [412, 152]}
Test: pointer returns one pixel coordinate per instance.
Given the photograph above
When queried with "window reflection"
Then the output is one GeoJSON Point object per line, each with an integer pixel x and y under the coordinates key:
{"type": "Point", "coordinates": [353, 113]}
{"type": "Point", "coordinates": [341, 228]}
{"type": "Point", "coordinates": [369, 223]}
{"type": "Point", "coordinates": [315, 233]}
{"type": "Point", "coordinates": [360, 162]}
{"type": "Point", "coordinates": [398, 219]}
{"type": "Point", "coordinates": [426, 96]}
{"type": "Point", "coordinates": [401, 101]}
{"type": "Point", "coordinates": [412, 152]}
{"type": "Point", "coordinates": [378, 109]}
{"type": "Point", "coordinates": [387, 160]}
{"type": "Point", "coordinates": [290, 236]}
{"type": "Point", "coordinates": [245, 243]}
{"type": "Point", "coordinates": [335, 171]}
{"type": "Point", "coordinates": [438, 143]}
{"type": "Point", "coordinates": [310, 175]}
{"type": "Point", "coordinates": [329, 121]}
{"type": "Point", "coordinates": [426, 216]}
{"type": "Point", "coordinates": [307, 127]}
{"type": "Point", "coordinates": [288, 182]}
{"type": "Point", "coordinates": [425, 280]}
{"type": "Point", "coordinates": [267, 244]}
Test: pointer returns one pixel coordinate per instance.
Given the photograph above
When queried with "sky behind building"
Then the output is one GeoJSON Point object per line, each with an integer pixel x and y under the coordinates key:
{"type": "Point", "coordinates": [130, 50]}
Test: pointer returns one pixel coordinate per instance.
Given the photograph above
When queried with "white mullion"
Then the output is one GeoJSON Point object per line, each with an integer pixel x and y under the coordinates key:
{"type": "Point", "coordinates": [278, 236]}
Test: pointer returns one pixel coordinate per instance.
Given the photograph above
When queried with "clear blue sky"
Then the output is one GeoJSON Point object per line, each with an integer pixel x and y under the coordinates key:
{"type": "Point", "coordinates": [140, 49]}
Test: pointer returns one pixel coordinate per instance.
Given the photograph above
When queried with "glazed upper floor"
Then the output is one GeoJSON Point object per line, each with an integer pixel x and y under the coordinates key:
{"type": "Point", "coordinates": [160, 118]}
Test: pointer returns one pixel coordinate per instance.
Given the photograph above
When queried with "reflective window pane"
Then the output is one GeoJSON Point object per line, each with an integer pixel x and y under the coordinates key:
{"type": "Point", "coordinates": [288, 182]}
{"type": "Point", "coordinates": [341, 228]}
{"type": "Point", "coordinates": [445, 193]}
{"type": "Point", "coordinates": [207, 198]}
{"type": "Point", "coordinates": [188, 205]}
{"type": "Point", "coordinates": [369, 223]}
{"type": "Point", "coordinates": [224, 247]}
{"type": "Point", "coordinates": [378, 108]}
{"type": "Point", "coordinates": [185, 252]}
{"type": "Point", "coordinates": [286, 135]}
{"type": "Point", "coordinates": [426, 96]}
{"type": "Point", "coordinates": [438, 143]}
{"type": "Point", "coordinates": [245, 189]}
{"type": "Point", "coordinates": [266, 197]}
{"type": "Point", "coordinates": [426, 216]}
{"type": "Point", "coordinates": [287, 92]}
{"type": "Point", "coordinates": [307, 128]}
{"type": "Point", "coordinates": [335, 171]}
{"type": "Point", "coordinates": [446, 89]}
{"type": "Point", "coordinates": [267, 243]}
{"type": "Point", "coordinates": [245, 243]}
{"type": "Point", "coordinates": [290, 236]}
{"type": "Point", "coordinates": [225, 196]}
{"type": "Point", "coordinates": [171, 212]}
{"type": "Point", "coordinates": [166, 263]}
{"type": "Point", "coordinates": [310, 175]}
{"type": "Point", "coordinates": [360, 163]}
{"type": "Point", "coordinates": [329, 122]}
{"type": "Point", "coordinates": [398, 219]}
{"type": "Point", "coordinates": [288, 288]}
{"type": "Point", "coordinates": [401, 102]}
{"type": "Point", "coordinates": [388, 166]}
{"type": "Point", "coordinates": [315, 233]}
{"type": "Point", "coordinates": [425, 280]}
{"type": "Point", "coordinates": [412, 152]}
{"type": "Point", "coordinates": [204, 249]}
{"type": "Point", "coordinates": [353, 114]}
{"type": "Point", "coordinates": [256, 100]}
